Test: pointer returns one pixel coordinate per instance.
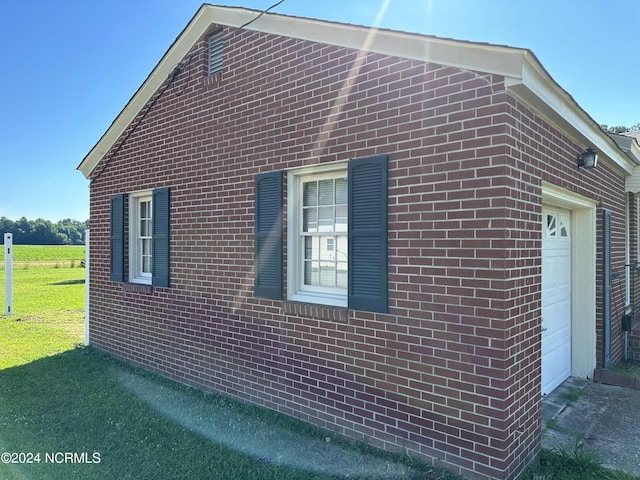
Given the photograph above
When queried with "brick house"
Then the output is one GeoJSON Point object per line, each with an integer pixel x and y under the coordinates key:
{"type": "Point", "coordinates": [382, 233]}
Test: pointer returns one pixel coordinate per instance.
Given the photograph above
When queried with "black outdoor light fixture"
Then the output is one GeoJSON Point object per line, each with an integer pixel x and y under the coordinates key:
{"type": "Point", "coordinates": [588, 159]}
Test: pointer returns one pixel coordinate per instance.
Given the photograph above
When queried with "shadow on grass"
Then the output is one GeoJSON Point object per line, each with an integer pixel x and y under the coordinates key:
{"type": "Point", "coordinates": [120, 422]}
{"type": "Point", "coordinates": [70, 282]}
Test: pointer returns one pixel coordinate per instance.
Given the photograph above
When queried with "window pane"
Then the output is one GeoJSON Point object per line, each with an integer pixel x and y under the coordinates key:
{"type": "Point", "coordinates": [310, 220]}
{"type": "Point", "coordinates": [341, 253]}
{"type": "Point", "coordinates": [325, 219]}
{"type": "Point", "coordinates": [341, 275]}
{"type": "Point", "coordinates": [311, 273]}
{"type": "Point", "coordinates": [310, 194]}
{"type": "Point", "coordinates": [145, 228]}
{"type": "Point", "coordinates": [145, 210]}
{"type": "Point", "coordinates": [146, 255]}
{"type": "Point", "coordinates": [308, 248]}
{"type": "Point", "coordinates": [325, 196]}
{"type": "Point", "coordinates": [146, 247]}
{"type": "Point", "coordinates": [326, 253]}
{"type": "Point", "coordinates": [328, 274]}
{"type": "Point", "coordinates": [330, 244]}
{"type": "Point", "coordinates": [341, 218]}
{"type": "Point", "coordinates": [341, 191]}
{"type": "Point", "coordinates": [146, 264]}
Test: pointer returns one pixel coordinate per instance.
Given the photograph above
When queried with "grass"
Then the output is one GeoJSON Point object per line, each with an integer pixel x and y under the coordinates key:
{"type": "Point", "coordinates": [571, 465]}
{"type": "Point", "coordinates": [628, 367]}
{"type": "Point", "coordinates": [145, 427]}
{"type": "Point", "coordinates": [48, 306]}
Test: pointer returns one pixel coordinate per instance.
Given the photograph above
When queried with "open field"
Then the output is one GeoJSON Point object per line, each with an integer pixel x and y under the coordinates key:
{"type": "Point", "coordinates": [56, 256]}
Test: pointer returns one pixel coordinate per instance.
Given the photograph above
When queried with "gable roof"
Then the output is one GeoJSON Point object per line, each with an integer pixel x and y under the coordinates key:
{"type": "Point", "coordinates": [524, 76]}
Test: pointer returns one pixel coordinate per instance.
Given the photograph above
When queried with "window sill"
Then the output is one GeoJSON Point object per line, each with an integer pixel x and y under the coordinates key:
{"type": "Point", "coordinates": [321, 312]}
{"type": "Point", "coordinates": [328, 299]}
{"type": "Point", "coordinates": [212, 79]}
{"type": "Point", "coordinates": [137, 288]}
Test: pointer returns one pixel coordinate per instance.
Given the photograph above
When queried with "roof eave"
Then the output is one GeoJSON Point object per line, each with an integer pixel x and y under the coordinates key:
{"type": "Point", "coordinates": [538, 89]}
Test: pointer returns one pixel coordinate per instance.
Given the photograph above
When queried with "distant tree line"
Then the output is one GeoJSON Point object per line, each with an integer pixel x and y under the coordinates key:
{"type": "Point", "coordinates": [620, 128]}
{"type": "Point", "coordinates": [44, 232]}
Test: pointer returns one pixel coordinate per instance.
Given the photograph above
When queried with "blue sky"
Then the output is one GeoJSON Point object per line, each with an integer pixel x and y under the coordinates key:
{"type": "Point", "coordinates": [70, 66]}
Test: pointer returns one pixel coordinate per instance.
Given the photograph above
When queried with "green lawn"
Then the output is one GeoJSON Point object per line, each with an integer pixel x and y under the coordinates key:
{"type": "Point", "coordinates": [48, 313]}
{"type": "Point", "coordinates": [140, 426]}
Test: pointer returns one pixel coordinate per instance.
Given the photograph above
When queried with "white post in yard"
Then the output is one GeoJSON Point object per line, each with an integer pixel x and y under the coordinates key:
{"type": "Point", "coordinates": [86, 287]}
{"type": "Point", "coordinates": [8, 273]}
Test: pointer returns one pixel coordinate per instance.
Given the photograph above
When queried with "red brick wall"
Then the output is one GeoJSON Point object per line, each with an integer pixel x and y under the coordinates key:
{"type": "Point", "coordinates": [452, 371]}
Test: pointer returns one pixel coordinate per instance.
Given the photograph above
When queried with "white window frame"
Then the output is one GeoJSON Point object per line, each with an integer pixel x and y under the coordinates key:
{"type": "Point", "coordinates": [136, 275]}
{"type": "Point", "coordinates": [296, 290]}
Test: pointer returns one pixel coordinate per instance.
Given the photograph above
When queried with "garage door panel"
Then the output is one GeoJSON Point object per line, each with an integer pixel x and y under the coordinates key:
{"type": "Point", "coordinates": [556, 299]}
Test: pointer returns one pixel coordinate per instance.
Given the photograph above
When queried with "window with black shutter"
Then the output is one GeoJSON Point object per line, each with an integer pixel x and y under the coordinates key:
{"type": "Point", "coordinates": [148, 237]}
{"type": "Point", "coordinates": [336, 234]}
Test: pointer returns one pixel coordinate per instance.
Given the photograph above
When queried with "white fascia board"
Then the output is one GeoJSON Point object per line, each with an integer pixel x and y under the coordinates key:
{"type": "Point", "coordinates": [536, 88]}
{"type": "Point", "coordinates": [466, 55]}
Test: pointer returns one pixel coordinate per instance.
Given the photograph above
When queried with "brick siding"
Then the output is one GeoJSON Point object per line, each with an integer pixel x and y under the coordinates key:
{"type": "Point", "coordinates": [452, 371]}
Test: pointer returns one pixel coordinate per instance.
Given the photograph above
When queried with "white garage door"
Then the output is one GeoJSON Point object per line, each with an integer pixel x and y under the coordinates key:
{"type": "Point", "coordinates": [556, 298]}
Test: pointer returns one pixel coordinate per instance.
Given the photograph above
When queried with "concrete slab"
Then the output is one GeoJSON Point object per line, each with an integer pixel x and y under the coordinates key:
{"type": "Point", "coordinates": [604, 418]}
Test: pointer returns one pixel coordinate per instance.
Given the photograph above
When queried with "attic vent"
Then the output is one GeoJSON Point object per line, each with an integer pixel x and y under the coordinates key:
{"type": "Point", "coordinates": [215, 43]}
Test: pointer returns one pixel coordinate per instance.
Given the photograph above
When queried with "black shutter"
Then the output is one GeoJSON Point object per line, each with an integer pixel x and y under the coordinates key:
{"type": "Point", "coordinates": [161, 266]}
{"type": "Point", "coordinates": [268, 235]}
{"type": "Point", "coordinates": [116, 238]}
{"type": "Point", "coordinates": [368, 271]}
